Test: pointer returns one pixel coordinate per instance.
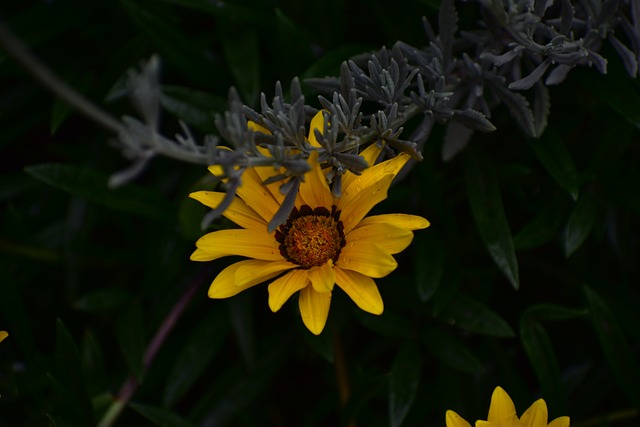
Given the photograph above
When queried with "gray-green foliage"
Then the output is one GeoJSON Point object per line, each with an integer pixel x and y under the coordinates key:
{"type": "Point", "coordinates": [457, 79]}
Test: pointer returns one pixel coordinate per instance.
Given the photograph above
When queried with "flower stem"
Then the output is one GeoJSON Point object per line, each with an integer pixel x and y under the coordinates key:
{"type": "Point", "coordinates": [16, 48]}
{"type": "Point", "coordinates": [130, 385]}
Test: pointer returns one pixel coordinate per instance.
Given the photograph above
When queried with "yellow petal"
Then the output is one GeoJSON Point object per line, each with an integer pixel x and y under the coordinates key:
{"type": "Point", "coordinates": [455, 420]}
{"type": "Point", "coordinates": [408, 222]}
{"type": "Point", "coordinates": [238, 211]}
{"type": "Point", "coordinates": [247, 243]}
{"type": "Point", "coordinates": [256, 195]}
{"type": "Point", "coordinates": [374, 173]}
{"type": "Point", "coordinates": [361, 289]}
{"type": "Point", "coordinates": [370, 155]}
{"type": "Point", "coordinates": [258, 128]}
{"type": "Point", "coordinates": [391, 239]}
{"type": "Point", "coordinates": [248, 271]}
{"type": "Point", "coordinates": [356, 202]}
{"type": "Point", "coordinates": [266, 172]}
{"type": "Point", "coordinates": [3, 335]}
{"type": "Point", "coordinates": [314, 309]}
{"type": "Point", "coordinates": [536, 415]}
{"type": "Point", "coordinates": [281, 289]}
{"type": "Point", "coordinates": [216, 170]}
{"type": "Point", "coordinates": [314, 190]}
{"type": "Point", "coordinates": [323, 278]}
{"type": "Point", "coordinates": [225, 285]}
{"type": "Point", "coordinates": [560, 422]}
{"type": "Point", "coordinates": [316, 123]}
{"type": "Point", "coordinates": [368, 259]}
{"type": "Point", "coordinates": [502, 412]}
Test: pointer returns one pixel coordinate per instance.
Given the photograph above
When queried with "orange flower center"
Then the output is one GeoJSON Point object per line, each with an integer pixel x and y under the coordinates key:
{"type": "Point", "coordinates": [311, 237]}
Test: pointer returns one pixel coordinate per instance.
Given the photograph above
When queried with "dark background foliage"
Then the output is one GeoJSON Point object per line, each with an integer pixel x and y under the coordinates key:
{"type": "Point", "coordinates": [89, 274]}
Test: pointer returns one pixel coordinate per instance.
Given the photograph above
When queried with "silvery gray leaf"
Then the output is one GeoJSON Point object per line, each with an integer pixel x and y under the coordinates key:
{"type": "Point", "coordinates": [628, 57]}
{"type": "Point", "coordinates": [541, 107]}
{"type": "Point", "coordinates": [456, 138]}
{"type": "Point", "coordinates": [473, 120]}
{"type": "Point", "coordinates": [528, 81]}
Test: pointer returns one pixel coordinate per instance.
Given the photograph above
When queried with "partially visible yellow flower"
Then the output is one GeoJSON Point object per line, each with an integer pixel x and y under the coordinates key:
{"type": "Point", "coordinates": [502, 413]}
{"type": "Point", "coordinates": [3, 335]}
{"type": "Point", "coordinates": [325, 241]}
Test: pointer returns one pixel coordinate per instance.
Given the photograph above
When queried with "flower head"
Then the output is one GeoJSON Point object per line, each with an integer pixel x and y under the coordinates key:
{"type": "Point", "coordinates": [3, 335]}
{"type": "Point", "coordinates": [502, 413]}
{"type": "Point", "coordinates": [325, 240]}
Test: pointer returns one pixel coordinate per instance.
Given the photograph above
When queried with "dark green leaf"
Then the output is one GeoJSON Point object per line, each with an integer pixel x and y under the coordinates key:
{"type": "Point", "coordinates": [102, 300]}
{"type": "Point", "coordinates": [182, 51]}
{"type": "Point", "coordinates": [388, 324]}
{"type": "Point", "coordinates": [321, 344]}
{"type": "Point", "coordinates": [293, 47]}
{"type": "Point", "coordinates": [14, 314]}
{"type": "Point", "coordinates": [14, 183]}
{"type": "Point", "coordinates": [488, 213]}
{"type": "Point", "coordinates": [240, 47]}
{"type": "Point", "coordinates": [580, 224]}
{"type": "Point", "coordinates": [242, 321]}
{"type": "Point", "coordinates": [471, 315]}
{"type": "Point", "coordinates": [160, 417]}
{"type": "Point", "coordinates": [227, 10]}
{"type": "Point", "coordinates": [130, 335]}
{"type": "Point", "coordinates": [429, 264]}
{"type": "Point", "coordinates": [92, 354]}
{"type": "Point", "coordinates": [403, 383]}
{"type": "Point", "coordinates": [69, 372]}
{"type": "Point", "coordinates": [92, 185]}
{"type": "Point", "coordinates": [554, 156]}
{"type": "Point", "coordinates": [57, 421]}
{"type": "Point", "coordinates": [193, 107]}
{"type": "Point", "coordinates": [541, 230]}
{"type": "Point", "coordinates": [447, 348]}
{"type": "Point", "coordinates": [540, 351]}
{"type": "Point", "coordinates": [621, 359]}
{"type": "Point", "coordinates": [615, 88]}
{"type": "Point", "coordinates": [236, 388]}
{"type": "Point", "coordinates": [329, 63]}
{"type": "Point", "coordinates": [201, 346]}
{"type": "Point", "coordinates": [59, 113]}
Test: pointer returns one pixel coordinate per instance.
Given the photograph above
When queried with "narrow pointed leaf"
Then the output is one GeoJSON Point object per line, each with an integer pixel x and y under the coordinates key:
{"type": "Point", "coordinates": [130, 336]}
{"type": "Point", "coordinates": [554, 156]}
{"type": "Point", "coordinates": [429, 265]}
{"type": "Point", "coordinates": [540, 350]}
{"type": "Point", "coordinates": [473, 316]}
{"type": "Point", "coordinates": [580, 224]}
{"type": "Point", "coordinates": [69, 372]}
{"type": "Point", "coordinates": [620, 357]}
{"type": "Point", "coordinates": [403, 383]}
{"type": "Point", "coordinates": [92, 185]}
{"type": "Point", "coordinates": [240, 47]}
{"type": "Point", "coordinates": [195, 356]}
{"type": "Point", "coordinates": [102, 300]}
{"type": "Point", "coordinates": [489, 216]}
{"type": "Point", "coordinates": [160, 417]}
{"type": "Point", "coordinates": [451, 351]}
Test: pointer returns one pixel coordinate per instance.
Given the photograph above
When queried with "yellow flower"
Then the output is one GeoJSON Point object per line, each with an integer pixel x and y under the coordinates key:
{"type": "Point", "coordinates": [325, 240]}
{"type": "Point", "coordinates": [3, 335]}
{"type": "Point", "coordinates": [502, 413]}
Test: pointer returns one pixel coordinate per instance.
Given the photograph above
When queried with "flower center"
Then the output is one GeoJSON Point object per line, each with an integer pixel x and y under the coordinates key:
{"type": "Point", "coordinates": [311, 237]}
